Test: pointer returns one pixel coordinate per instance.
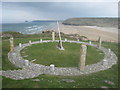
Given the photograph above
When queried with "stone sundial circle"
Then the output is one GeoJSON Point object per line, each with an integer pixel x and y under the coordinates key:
{"type": "Point", "coordinates": [15, 57]}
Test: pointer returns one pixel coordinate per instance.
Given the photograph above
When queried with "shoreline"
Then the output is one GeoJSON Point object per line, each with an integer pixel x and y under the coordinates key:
{"type": "Point", "coordinates": [92, 32]}
{"type": "Point", "coordinates": [107, 34]}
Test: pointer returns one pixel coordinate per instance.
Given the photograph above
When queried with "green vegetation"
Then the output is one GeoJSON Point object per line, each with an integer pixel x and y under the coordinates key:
{"type": "Point", "coordinates": [101, 22]}
{"type": "Point", "coordinates": [21, 38]}
{"type": "Point", "coordinates": [6, 64]}
{"type": "Point", "coordinates": [94, 80]}
{"type": "Point", "coordinates": [47, 53]}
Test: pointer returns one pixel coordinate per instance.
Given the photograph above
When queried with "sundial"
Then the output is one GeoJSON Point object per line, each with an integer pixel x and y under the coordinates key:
{"type": "Point", "coordinates": [34, 69]}
{"type": "Point", "coordinates": [60, 46]}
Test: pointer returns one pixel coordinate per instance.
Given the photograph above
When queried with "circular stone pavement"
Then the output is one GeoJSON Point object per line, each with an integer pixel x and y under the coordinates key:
{"type": "Point", "coordinates": [31, 70]}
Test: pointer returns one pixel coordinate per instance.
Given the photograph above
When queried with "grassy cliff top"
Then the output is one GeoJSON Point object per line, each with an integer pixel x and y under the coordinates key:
{"type": "Point", "coordinates": [101, 22]}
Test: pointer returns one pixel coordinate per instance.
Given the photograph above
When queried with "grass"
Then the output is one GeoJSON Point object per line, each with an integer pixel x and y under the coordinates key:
{"type": "Point", "coordinates": [22, 38]}
{"type": "Point", "coordinates": [101, 22]}
{"type": "Point", "coordinates": [94, 80]}
{"type": "Point", "coordinates": [6, 64]}
{"type": "Point", "coordinates": [47, 53]}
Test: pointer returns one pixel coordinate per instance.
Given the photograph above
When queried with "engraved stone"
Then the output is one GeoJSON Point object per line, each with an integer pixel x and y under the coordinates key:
{"type": "Point", "coordinates": [90, 42]}
{"type": "Point", "coordinates": [109, 50]}
{"type": "Point", "coordinates": [30, 42]}
{"type": "Point", "coordinates": [100, 42]}
{"type": "Point", "coordinates": [65, 39]}
{"type": "Point", "coordinates": [11, 44]}
{"type": "Point", "coordinates": [83, 50]}
{"type": "Point", "coordinates": [26, 62]}
{"type": "Point", "coordinates": [52, 67]}
{"type": "Point", "coordinates": [20, 45]}
{"type": "Point", "coordinates": [41, 40]}
{"type": "Point", "coordinates": [53, 36]}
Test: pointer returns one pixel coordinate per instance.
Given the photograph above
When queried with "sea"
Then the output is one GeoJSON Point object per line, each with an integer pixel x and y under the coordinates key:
{"type": "Point", "coordinates": [29, 27]}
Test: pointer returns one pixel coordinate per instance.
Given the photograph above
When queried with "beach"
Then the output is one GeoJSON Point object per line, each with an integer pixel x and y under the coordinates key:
{"type": "Point", "coordinates": [92, 32]}
{"type": "Point", "coordinates": [109, 34]}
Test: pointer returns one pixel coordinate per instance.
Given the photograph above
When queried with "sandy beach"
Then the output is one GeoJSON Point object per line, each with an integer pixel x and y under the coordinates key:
{"type": "Point", "coordinates": [92, 32]}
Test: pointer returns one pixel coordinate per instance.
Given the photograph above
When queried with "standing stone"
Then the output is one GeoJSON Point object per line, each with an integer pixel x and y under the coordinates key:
{"type": "Point", "coordinates": [20, 45]}
{"type": "Point", "coordinates": [65, 39]}
{"type": "Point", "coordinates": [30, 42]}
{"type": "Point", "coordinates": [90, 42]}
{"type": "Point", "coordinates": [53, 36]}
{"type": "Point", "coordinates": [83, 50]}
{"type": "Point", "coordinates": [52, 67]}
{"type": "Point", "coordinates": [100, 42]}
{"type": "Point", "coordinates": [11, 44]}
{"type": "Point", "coordinates": [41, 40]}
{"type": "Point", "coordinates": [109, 50]}
{"type": "Point", "coordinates": [26, 62]}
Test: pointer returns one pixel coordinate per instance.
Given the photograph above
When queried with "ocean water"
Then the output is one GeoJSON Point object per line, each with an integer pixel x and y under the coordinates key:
{"type": "Point", "coordinates": [29, 27]}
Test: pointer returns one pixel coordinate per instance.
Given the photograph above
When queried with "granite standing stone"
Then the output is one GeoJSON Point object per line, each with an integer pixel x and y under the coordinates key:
{"type": "Point", "coordinates": [65, 39]}
{"type": "Point", "coordinates": [109, 50]}
{"type": "Point", "coordinates": [11, 44]}
{"type": "Point", "coordinates": [26, 62]}
{"type": "Point", "coordinates": [90, 42]}
{"type": "Point", "coordinates": [83, 50]}
{"type": "Point", "coordinates": [100, 42]}
{"type": "Point", "coordinates": [41, 40]}
{"type": "Point", "coordinates": [20, 45]}
{"type": "Point", "coordinates": [52, 67]}
{"type": "Point", "coordinates": [53, 36]}
{"type": "Point", "coordinates": [30, 42]}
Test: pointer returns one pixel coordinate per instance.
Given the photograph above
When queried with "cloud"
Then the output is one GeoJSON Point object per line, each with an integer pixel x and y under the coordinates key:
{"type": "Point", "coordinates": [21, 11]}
{"type": "Point", "coordinates": [60, 0]}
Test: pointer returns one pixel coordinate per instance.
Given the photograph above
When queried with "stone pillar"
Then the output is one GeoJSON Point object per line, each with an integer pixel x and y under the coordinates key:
{"type": "Point", "coordinates": [83, 52]}
{"type": "Point", "coordinates": [109, 50]}
{"type": "Point", "coordinates": [20, 45]}
{"type": "Point", "coordinates": [65, 39]}
{"type": "Point", "coordinates": [30, 42]}
{"type": "Point", "coordinates": [100, 42]}
{"type": "Point", "coordinates": [41, 40]}
{"type": "Point", "coordinates": [26, 62]}
{"type": "Point", "coordinates": [11, 44]}
{"type": "Point", "coordinates": [53, 36]}
{"type": "Point", "coordinates": [90, 42]}
{"type": "Point", "coordinates": [52, 67]}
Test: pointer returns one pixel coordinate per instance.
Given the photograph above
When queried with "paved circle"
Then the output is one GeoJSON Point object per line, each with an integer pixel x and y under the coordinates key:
{"type": "Point", "coordinates": [33, 70]}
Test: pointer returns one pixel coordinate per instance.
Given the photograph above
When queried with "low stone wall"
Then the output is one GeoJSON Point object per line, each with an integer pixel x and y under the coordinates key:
{"type": "Point", "coordinates": [34, 70]}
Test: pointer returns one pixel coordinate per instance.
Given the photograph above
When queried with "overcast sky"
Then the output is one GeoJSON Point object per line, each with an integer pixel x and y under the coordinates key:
{"type": "Point", "coordinates": [21, 11]}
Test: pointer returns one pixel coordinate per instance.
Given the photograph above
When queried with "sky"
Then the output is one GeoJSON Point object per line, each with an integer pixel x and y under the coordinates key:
{"type": "Point", "coordinates": [21, 11]}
